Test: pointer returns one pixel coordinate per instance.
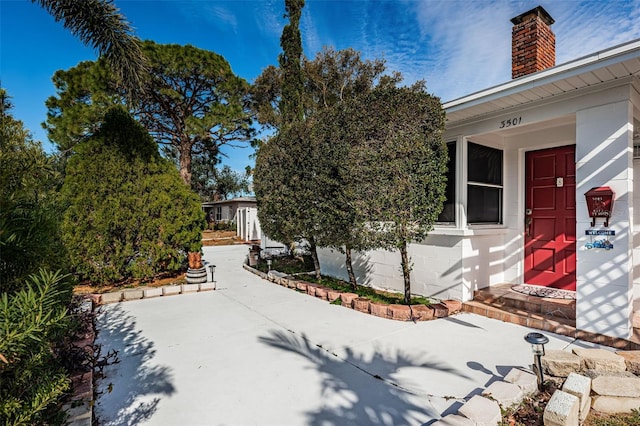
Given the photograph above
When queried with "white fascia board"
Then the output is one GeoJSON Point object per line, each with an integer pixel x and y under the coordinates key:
{"type": "Point", "coordinates": [578, 66]}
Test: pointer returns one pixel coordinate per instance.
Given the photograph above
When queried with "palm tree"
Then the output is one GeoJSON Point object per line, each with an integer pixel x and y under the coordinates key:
{"type": "Point", "coordinates": [98, 23]}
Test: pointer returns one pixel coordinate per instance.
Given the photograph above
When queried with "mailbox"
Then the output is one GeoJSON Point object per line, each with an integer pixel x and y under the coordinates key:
{"type": "Point", "coordinates": [600, 203]}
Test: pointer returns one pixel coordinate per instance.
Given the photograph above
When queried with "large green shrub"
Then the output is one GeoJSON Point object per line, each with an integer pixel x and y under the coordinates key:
{"type": "Point", "coordinates": [130, 215]}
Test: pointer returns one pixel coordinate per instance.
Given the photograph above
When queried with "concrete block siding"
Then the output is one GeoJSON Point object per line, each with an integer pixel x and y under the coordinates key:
{"type": "Point", "coordinates": [444, 266]}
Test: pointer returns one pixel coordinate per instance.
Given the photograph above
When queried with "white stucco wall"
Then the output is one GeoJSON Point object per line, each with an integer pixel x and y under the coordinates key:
{"type": "Point", "coordinates": [636, 236]}
{"type": "Point", "coordinates": [604, 153]}
{"type": "Point", "coordinates": [247, 224]}
{"type": "Point", "coordinates": [444, 266]}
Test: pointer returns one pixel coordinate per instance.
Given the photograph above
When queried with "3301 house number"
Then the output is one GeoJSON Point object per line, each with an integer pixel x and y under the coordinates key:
{"type": "Point", "coordinates": [510, 122]}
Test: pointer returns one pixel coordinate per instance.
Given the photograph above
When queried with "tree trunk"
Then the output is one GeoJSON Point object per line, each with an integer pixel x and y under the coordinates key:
{"type": "Point", "coordinates": [352, 276]}
{"type": "Point", "coordinates": [406, 272]}
{"type": "Point", "coordinates": [314, 256]}
{"type": "Point", "coordinates": [185, 162]}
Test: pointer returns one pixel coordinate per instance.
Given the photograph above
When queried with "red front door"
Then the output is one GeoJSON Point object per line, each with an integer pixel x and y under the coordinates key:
{"type": "Point", "coordinates": [550, 218]}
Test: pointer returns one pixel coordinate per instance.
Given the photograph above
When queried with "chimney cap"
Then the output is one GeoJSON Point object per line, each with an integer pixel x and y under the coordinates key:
{"type": "Point", "coordinates": [537, 11]}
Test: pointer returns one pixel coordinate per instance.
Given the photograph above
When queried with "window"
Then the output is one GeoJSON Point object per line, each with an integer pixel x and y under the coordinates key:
{"type": "Point", "coordinates": [448, 214]}
{"type": "Point", "coordinates": [218, 214]}
{"type": "Point", "coordinates": [484, 184]}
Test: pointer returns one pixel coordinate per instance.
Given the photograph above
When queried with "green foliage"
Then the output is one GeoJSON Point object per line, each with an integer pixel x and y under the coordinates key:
{"type": "Point", "coordinates": [395, 169]}
{"type": "Point", "coordinates": [192, 104]}
{"type": "Point", "coordinates": [218, 183]}
{"type": "Point", "coordinates": [331, 77]}
{"type": "Point", "coordinates": [299, 266]}
{"type": "Point", "coordinates": [296, 179]}
{"type": "Point", "coordinates": [98, 24]}
{"type": "Point", "coordinates": [223, 226]}
{"type": "Point", "coordinates": [85, 93]}
{"type": "Point", "coordinates": [29, 211]}
{"type": "Point", "coordinates": [290, 60]}
{"type": "Point", "coordinates": [129, 213]}
{"type": "Point", "coordinates": [33, 322]}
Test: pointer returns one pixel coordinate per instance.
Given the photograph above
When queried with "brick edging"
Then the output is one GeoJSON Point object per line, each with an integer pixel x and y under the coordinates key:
{"type": "Point", "coordinates": [80, 409]}
{"type": "Point", "coordinates": [351, 300]}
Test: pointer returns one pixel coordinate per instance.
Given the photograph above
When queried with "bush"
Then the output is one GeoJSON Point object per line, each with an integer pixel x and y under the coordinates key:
{"type": "Point", "coordinates": [33, 321]}
{"type": "Point", "coordinates": [29, 214]}
{"type": "Point", "coordinates": [130, 215]}
{"type": "Point", "coordinates": [224, 226]}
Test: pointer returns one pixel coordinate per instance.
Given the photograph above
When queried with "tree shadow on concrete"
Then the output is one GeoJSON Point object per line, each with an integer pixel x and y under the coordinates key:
{"type": "Point", "coordinates": [358, 390]}
{"type": "Point", "coordinates": [129, 392]}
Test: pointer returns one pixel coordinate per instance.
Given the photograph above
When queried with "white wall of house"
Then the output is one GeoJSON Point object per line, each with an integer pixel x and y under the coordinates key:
{"type": "Point", "coordinates": [636, 235]}
{"type": "Point", "coordinates": [605, 277]}
{"type": "Point", "coordinates": [247, 224]}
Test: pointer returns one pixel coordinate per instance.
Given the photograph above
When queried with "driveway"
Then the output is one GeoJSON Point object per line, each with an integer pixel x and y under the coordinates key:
{"type": "Point", "coordinates": [255, 353]}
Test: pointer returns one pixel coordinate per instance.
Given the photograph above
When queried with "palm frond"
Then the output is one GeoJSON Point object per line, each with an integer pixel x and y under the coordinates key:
{"type": "Point", "coordinates": [99, 24]}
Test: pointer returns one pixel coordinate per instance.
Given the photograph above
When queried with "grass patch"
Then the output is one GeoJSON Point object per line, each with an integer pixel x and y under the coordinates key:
{"type": "Point", "coordinates": [298, 265]}
{"type": "Point", "coordinates": [601, 419]}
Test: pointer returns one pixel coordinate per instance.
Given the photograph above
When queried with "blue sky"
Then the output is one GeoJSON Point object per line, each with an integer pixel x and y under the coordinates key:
{"type": "Point", "coordinates": [457, 46]}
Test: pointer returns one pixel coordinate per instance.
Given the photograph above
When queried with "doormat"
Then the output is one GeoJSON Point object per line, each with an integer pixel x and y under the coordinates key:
{"type": "Point", "coordinates": [548, 292]}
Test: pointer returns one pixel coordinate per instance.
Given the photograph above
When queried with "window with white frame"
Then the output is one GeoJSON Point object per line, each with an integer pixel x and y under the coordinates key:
{"type": "Point", "coordinates": [218, 213]}
{"type": "Point", "coordinates": [484, 184]}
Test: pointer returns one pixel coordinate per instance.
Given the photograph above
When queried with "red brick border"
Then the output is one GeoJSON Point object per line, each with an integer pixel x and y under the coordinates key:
{"type": "Point", "coordinates": [353, 301]}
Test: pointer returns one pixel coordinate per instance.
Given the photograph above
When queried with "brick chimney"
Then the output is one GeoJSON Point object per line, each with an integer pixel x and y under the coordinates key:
{"type": "Point", "coordinates": [533, 43]}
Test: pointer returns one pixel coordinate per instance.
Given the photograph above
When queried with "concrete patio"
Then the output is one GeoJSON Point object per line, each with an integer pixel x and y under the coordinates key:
{"type": "Point", "coordinates": [255, 353]}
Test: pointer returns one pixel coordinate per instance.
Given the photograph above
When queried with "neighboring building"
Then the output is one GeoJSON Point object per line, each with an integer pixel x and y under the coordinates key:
{"type": "Point", "coordinates": [242, 211]}
{"type": "Point", "coordinates": [523, 155]}
{"type": "Point", "coordinates": [226, 210]}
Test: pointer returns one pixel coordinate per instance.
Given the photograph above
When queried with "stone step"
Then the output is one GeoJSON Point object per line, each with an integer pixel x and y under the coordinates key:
{"type": "Point", "coordinates": [502, 296]}
{"type": "Point", "coordinates": [566, 327]}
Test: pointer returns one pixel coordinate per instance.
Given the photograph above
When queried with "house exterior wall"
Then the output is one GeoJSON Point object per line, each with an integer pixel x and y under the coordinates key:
{"type": "Point", "coordinates": [247, 224]}
{"type": "Point", "coordinates": [604, 157]}
{"type": "Point", "coordinates": [636, 234]}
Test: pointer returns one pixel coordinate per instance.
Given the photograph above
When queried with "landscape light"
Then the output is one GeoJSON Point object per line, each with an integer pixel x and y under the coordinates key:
{"type": "Point", "coordinates": [537, 342]}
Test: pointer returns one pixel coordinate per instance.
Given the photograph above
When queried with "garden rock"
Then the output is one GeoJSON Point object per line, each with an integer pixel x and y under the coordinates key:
{"type": "Point", "coordinates": [617, 386]}
{"type": "Point", "coordinates": [563, 409]}
{"type": "Point", "coordinates": [615, 404]}
{"type": "Point", "coordinates": [600, 359]}
{"type": "Point", "coordinates": [632, 360]}
{"type": "Point", "coordinates": [526, 381]}
{"type": "Point", "coordinates": [504, 393]}
{"type": "Point", "coordinates": [483, 411]}
{"type": "Point", "coordinates": [561, 363]}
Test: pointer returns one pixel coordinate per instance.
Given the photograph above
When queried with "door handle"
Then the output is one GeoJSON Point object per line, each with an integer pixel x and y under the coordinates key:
{"type": "Point", "coordinates": [527, 221]}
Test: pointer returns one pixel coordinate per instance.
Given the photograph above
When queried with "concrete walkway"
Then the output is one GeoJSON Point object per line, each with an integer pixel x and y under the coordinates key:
{"type": "Point", "coordinates": [255, 353]}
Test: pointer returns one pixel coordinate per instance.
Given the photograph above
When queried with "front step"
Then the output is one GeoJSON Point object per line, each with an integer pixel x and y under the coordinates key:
{"type": "Point", "coordinates": [503, 296]}
{"type": "Point", "coordinates": [554, 324]}
{"type": "Point", "coordinates": [553, 315]}
{"type": "Point", "coordinates": [502, 303]}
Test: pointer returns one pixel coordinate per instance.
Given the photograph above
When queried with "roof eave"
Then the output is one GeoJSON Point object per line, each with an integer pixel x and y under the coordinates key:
{"type": "Point", "coordinates": [578, 66]}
